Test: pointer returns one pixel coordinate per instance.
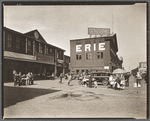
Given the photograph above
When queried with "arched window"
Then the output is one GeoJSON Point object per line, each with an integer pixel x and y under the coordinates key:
{"type": "Point", "coordinates": [40, 48]}
{"type": "Point", "coordinates": [29, 46]}
{"type": "Point", "coordinates": [17, 43]}
{"type": "Point", "coordinates": [9, 40]}
{"type": "Point", "coordinates": [47, 50]}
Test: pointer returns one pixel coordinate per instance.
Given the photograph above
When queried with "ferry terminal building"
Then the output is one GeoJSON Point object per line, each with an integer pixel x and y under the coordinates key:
{"type": "Point", "coordinates": [29, 52]}
{"type": "Point", "coordinates": [94, 54]}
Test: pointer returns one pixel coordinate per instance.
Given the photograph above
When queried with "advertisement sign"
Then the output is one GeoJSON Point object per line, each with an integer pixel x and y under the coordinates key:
{"type": "Point", "coordinates": [106, 67]}
{"type": "Point", "coordinates": [45, 58]}
{"type": "Point", "coordinates": [98, 31]}
{"type": "Point", "coordinates": [60, 61]}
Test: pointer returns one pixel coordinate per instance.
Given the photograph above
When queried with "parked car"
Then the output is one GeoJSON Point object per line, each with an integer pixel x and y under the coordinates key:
{"type": "Point", "coordinates": [101, 77]}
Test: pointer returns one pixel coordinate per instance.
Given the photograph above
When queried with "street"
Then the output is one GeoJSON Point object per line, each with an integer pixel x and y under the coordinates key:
{"type": "Point", "coordinates": [50, 99]}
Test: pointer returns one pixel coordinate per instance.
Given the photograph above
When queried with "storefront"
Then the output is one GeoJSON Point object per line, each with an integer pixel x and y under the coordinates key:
{"type": "Point", "coordinates": [29, 52]}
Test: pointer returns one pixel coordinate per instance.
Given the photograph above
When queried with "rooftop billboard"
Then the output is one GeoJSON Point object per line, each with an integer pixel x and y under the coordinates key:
{"type": "Point", "coordinates": [98, 31]}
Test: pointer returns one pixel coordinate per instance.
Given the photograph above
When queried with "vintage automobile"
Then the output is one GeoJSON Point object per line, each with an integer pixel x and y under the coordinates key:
{"type": "Point", "coordinates": [101, 77]}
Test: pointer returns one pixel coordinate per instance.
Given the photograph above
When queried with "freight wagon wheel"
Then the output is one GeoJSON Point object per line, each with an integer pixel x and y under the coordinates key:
{"type": "Point", "coordinates": [105, 82]}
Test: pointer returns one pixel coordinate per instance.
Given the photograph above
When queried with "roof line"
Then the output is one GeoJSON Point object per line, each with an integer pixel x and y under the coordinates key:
{"type": "Point", "coordinates": [94, 37]}
{"type": "Point", "coordinates": [32, 38]}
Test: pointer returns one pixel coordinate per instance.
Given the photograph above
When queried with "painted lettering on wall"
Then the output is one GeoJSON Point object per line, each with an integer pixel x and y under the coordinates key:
{"type": "Point", "coordinates": [78, 48]}
{"type": "Point", "coordinates": [88, 47]}
{"type": "Point", "coordinates": [101, 46]}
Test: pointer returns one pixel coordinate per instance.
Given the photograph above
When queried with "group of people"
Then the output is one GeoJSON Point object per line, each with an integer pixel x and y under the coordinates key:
{"type": "Point", "coordinates": [20, 79]}
{"type": "Point", "coordinates": [87, 80]}
{"type": "Point", "coordinates": [118, 81]}
{"type": "Point", "coordinates": [68, 77]}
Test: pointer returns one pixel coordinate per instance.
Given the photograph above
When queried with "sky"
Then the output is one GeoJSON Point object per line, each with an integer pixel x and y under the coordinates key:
{"type": "Point", "coordinates": [60, 24]}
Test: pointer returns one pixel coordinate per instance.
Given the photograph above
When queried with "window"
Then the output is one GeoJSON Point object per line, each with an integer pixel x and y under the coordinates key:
{"type": "Point", "coordinates": [87, 71]}
{"type": "Point", "coordinates": [78, 57]}
{"type": "Point", "coordinates": [9, 41]}
{"type": "Point", "coordinates": [40, 48]}
{"type": "Point", "coordinates": [67, 60]}
{"type": "Point", "coordinates": [17, 43]}
{"type": "Point", "coordinates": [51, 50]}
{"type": "Point", "coordinates": [61, 54]}
{"type": "Point", "coordinates": [29, 46]}
{"type": "Point", "coordinates": [57, 55]}
{"type": "Point", "coordinates": [47, 50]}
{"type": "Point", "coordinates": [36, 47]}
{"type": "Point", "coordinates": [77, 71]}
{"type": "Point", "coordinates": [101, 55]}
{"type": "Point", "coordinates": [98, 55]}
{"type": "Point", "coordinates": [89, 56]}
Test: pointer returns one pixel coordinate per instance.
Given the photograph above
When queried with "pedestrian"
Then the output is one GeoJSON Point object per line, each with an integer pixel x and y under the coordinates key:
{"type": "Point", "coordinates": [95, 84]}
{"type": "Point", "coordinates": [15, 78]}
{"type": "Point", "coordinates": [32, 78]}
{"type": "Point", "coordinates": [66, 76]}
{"type": "Point", "coordinates": [127, 79]}
{"type": "Point", "coordinates": [138, 79]}
{"type": "Point", "coordinates": [90, 81]}
{"type": "Point", "coordinates": [80, 79]}
{"type": "Point", "coordinates": [85, 81]}
{"type": "Point", "coordinates": [117, 82]}
{"type": "Point", "coordinates": [61, 76]}
{"type": "Point", "coordinates": [69, 78]}
{"type": "Point", "coordinates": [110, 81]}
{"type": "Point", "coordinates": [52, 76]}
{"type": "Point", "coordinates": [19, 78]}
{"type": "Point", "coordinates": [28, 78]}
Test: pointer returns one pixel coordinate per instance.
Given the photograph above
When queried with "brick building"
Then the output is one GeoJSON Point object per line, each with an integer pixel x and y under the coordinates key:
{"type": "Point", "coordinates": [29, 52]}
{"type": "Point", "coordinates": [96, 54]}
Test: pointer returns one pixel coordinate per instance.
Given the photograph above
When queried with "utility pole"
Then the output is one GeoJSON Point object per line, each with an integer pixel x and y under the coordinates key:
{"type": "Point", "coordinates": [112, 23]}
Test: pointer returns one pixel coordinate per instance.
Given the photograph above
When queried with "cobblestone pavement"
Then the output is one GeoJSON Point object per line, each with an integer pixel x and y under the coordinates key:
{"type": "Point", "coordinates": [50, 99]}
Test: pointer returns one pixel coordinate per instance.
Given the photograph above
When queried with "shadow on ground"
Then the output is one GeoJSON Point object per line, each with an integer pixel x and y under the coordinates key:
{"type": "Point", "coordinates": [13, 95]}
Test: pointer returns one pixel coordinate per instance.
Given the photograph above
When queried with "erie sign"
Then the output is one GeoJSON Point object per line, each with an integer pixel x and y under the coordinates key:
{"type": "Point", "coordinates": [88, 47]}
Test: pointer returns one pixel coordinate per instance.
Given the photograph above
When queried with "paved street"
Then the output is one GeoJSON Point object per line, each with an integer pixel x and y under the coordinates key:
{"type": "Point", "coordinates": [50, 99]}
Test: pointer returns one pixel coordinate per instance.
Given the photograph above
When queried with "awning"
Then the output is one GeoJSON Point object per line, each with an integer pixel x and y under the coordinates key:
{"type": "Point", "coordinates": [18, 55]}
{"type": "Point", "coordinates": [22, 57]}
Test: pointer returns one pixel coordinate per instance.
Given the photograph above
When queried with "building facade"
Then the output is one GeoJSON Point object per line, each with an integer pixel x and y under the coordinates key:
{"type": "Point", "coordinates": [143, 67]}
{"type": "Point", "coordinates": [96, 54]}
{"type": "Point", "coordinates": [29, 52]}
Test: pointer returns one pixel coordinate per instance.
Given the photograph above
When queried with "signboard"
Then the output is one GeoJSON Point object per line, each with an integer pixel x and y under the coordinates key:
{"type": "Point", "coordinates": [106, 67]}
{"type": "Point", "coordinates": [98, 31]}
{"type": "Point", "coordinates": [100, 71]}
{"type": "Point", "coordinates": [87, 47]}
{"type": "Point", "coordinates": [60, 61]}
{"type": "Point", "coordinates": [45, 58]}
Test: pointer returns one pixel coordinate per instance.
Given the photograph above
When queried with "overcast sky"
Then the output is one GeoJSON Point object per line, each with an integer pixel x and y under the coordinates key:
{"type": "Point", "coordinates": [59, 24]}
